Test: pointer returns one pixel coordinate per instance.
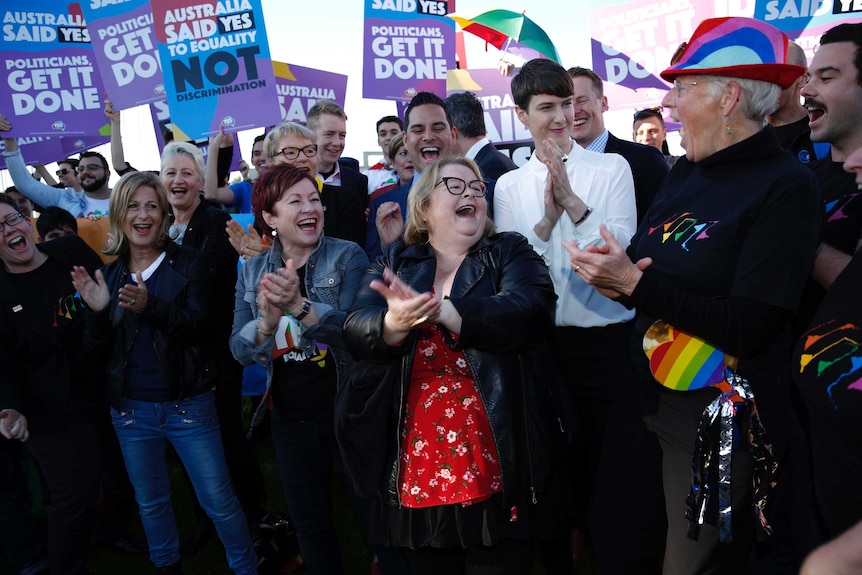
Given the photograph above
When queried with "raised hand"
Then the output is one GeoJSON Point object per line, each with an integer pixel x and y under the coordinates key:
{"type": "Point", "coordinates": [389, 222]}
{"type": "Point", "coordinates": [607, 267]}
{"type": "Point", "coordinates": [134, 297]}
{"type": "Point", "coordinates": [93, 292]}
{"type": "Point", "coordinates": [246, 243]}
{"type": "Point", "coordinates": [13, 425]}
{"type": "Point", "coordinates": [407, 307]}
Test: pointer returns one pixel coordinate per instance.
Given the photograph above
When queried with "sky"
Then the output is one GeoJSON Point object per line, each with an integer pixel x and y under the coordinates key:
{"type": "Point", "coordinates": [328, 35]}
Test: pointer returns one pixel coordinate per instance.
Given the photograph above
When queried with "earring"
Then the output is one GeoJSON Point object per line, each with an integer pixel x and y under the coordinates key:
{"type": "Point", "coordinates": [727, 127]}
{"type": "Point", "coordinates": [274, 233]}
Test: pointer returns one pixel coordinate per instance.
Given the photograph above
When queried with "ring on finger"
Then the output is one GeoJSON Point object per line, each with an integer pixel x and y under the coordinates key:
{"type": "Point", "coordinates": [133, 301]}
{"type": "Point", "coordinates": [565, 158]}
{"type": "Point", "coordinates": [577, 268]}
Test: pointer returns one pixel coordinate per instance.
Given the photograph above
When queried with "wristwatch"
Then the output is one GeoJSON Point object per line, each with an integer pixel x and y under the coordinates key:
{"type": "Point", "coordinates": [306, 307]}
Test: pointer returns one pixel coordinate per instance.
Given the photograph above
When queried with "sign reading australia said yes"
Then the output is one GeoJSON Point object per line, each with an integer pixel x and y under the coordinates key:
{"type": "Point", "coordinates": [51, 86]}
{"type": "Point", "coordinates": [125, 50]}
{"type": "Point", "coordinates": [409, 45]}
{"type": "Point", "coordinates": [217, 67]}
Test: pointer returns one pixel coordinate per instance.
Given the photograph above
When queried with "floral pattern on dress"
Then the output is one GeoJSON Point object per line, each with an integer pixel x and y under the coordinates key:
{"type": "Point", "coordinates": [448, 453]}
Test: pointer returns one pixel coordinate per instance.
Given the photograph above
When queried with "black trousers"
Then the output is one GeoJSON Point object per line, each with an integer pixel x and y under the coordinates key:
{"type": "Point", "coordinates": [69, 461]}
{"type": "Point", "coordinates": [19, 535]}
{"type": "Point", "coordinates": [509, 557]}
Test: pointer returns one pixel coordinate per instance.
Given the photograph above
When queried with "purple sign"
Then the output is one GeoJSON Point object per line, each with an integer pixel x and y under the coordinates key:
{"type": "Point", "coordinates": [409, 46]}
{"type": "Point", "coordinates": [494, 91]}
{"type": "Point", "coordinates": [52, 87]}
{"type": "Point", "coordinates": [299, 88]}
{"type": "Point", "coordinates": [44, 150]}
{"type": "Point", "coordinates": [124, 43]}
{"type": "Point", "coordinates": [216, 64]}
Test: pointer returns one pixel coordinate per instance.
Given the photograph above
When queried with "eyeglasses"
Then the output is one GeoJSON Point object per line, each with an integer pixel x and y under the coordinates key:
{"type": "Point", "coordinates": [293, 153]}
{"type": "Point", "coordinates": [11, 221]}
{"type": "Point", "coordinates": [63, 171]}
{"type": "Point", "coordinates": [681, 86]}
{"type": "Point", "coordinates": [91, 167]}
{"type": "Point", "coordinates": [648, 113]}
{"type": "Point", "coordinates": [457, 186]}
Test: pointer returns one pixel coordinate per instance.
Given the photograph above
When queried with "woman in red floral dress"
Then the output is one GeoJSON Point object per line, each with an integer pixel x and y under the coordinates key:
{"type": "Point", "coordinates": [453, 314]}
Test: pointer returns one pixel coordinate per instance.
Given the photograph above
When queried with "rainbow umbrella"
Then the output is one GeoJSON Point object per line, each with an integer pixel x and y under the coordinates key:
{"type": "Point", "coordinates": [500, 27]}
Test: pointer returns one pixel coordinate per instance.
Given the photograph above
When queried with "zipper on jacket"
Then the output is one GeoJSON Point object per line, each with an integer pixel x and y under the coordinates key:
{"type": "Point", "coordinates": [526, 427]}
{"type": "Point", "coordinates": [405, 376]}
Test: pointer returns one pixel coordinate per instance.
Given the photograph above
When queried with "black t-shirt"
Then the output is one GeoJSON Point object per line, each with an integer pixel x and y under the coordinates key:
{"type": "Point", "coordinates": [827, 368]}
{"type": "Point", "coordinates": [796, 137]}
{"type": "Point", "coordinates": [741, 224]}
{"type": "Point", "coordinates": [842, 201]}
{"type": "Point", "coordinates": [303, 381]}
{"type": "Point", "coordinates": [51, 299]}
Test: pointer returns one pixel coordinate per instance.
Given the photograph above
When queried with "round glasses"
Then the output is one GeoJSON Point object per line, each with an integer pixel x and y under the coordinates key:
{"type": "Point", "coordinates": [457, 186]}
{"type": "Point", "coordinates": [293, 153]}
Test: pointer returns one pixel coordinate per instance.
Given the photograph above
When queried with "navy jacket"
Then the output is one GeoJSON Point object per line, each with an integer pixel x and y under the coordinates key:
{"type": "Point", "coordinates": [648, 169]}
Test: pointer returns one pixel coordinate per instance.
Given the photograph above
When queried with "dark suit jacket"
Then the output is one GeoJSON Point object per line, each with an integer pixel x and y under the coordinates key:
{"type": "Point", "coordinates": [648, 169]}
{"type": "Point", "coordinates": [356, 183]}
{"type": "Point", "coordinates": [344, 216]}
{"type": "Point", "coordinates": [493, 163]}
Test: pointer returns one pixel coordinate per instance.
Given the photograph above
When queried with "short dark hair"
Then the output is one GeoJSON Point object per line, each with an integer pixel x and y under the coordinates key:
{"type": "Point", "coordinates": [540, 76]}
{"type": "Point", "coordinates": [847, 33]}
{"type": "Point", "coordinates": [422, 99]}
{"type": "Point", "coordinates": [641, 115]}
{"type": "Point", "coordinates": [387, 119]}
{"type": "Point", "coordinates": [269, 187]}
{"type": "Point", "coordinates": [71, 161]}
{"type": "Point", "coordinates": [55, 218]}
{"type": "Point", "coordinates": [92, 154]}
{"type": "Point", "coordinates": [578, 72]}
{"type": "Point", "coordinates": [5, 199]}
{"type": "Point", "coordinates": [467, 114]}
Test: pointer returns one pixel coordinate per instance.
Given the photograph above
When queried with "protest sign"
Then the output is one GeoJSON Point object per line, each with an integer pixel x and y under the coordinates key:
{"type": "Point", "coordinates": [299, 88]}
{"type": "Point", "coordinates": [162, 125]}
{"type": "Point", "coordinates": [216, 63]}
{"type": "Point", "coordinates": [409, 46]}
{"type": "Point", "coordinates": [44, 150]}
{"type": "Point", "coordinates": [52, 87]}
{"type": "Point", "coordinates": [125, 49]}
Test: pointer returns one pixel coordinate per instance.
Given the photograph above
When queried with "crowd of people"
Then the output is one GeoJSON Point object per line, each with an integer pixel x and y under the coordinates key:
{"type": "Point", "coordinates": [609, 348]}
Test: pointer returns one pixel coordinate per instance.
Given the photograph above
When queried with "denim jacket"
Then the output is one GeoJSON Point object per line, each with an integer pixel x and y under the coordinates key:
{"type": "Point", "coordinates": [334, 271]}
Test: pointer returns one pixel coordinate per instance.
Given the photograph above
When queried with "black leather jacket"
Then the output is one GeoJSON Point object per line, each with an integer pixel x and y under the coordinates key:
{"type": "Point", "coordinates": [178, 324]}
{"type": "Point", "coordinates": [506, 300]}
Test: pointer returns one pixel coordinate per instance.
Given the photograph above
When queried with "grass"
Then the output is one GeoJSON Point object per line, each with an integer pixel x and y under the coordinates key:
{"type": "Point", "coordinates": [356, 556]}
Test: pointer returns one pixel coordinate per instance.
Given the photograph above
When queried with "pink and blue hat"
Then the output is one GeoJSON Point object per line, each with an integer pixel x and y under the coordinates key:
{"type": "Point", "coordinates": [735, 47]}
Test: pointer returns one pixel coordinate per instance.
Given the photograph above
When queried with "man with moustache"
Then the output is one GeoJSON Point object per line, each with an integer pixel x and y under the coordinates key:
{"type": "Point", "coordinates": [93, 174]}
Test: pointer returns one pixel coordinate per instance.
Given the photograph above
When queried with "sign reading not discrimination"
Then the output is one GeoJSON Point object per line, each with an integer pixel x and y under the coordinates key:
{"type": "Point", "coordinates": [409, 46]}
{"type": "Point", "coordinates": [124, 43]}
{"type": "Point", "coordinates": [52, 87]}
{"type": "Point", "coordinates": [216, 64]}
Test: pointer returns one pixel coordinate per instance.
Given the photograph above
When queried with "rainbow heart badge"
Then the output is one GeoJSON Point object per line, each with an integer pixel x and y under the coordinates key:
{"type": "Point", "coordinates": [681, 361]}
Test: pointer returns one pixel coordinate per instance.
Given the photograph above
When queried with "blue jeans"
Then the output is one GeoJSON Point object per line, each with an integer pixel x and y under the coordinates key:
{"type": "Point", "coordinates": [143, 429]}
{"type": "Point", "coordinates": [305, 453]}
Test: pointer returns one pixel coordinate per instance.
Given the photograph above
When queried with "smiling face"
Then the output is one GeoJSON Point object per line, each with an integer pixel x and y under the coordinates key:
{"type": "Point", "coordinates": [428, 136]}
{"type": "Point", "coordinates": [549, 116]}
{"type": "Point", "coordinates": [331, 134]}
{"type": "Point", "coordinates": [692, 104]}
{"type": "Point", "coordinates": [832, 98]}
{"type": "Point", "coordinates": [297, 216]}
{"type": "Point", "coordinates": [258, 157]}
{"type": "Point", "coordinates": [142, 222]}
{"type": "Point", "coordinates": [302, 161]}
{"type": "Point", "coordinates": [67, 175]}
{"type": "Point", "coordinates": [588, 121]}
{"type": "Point", "coordinates": [451, 219]}
{"type": "Point", "coordinates": [650, 132]}
{"type": "Point", "coordinates": [182, 180]}
{"type": "Point", "coordinates": [92, 174]}
{"type": "Point", "coordinates": [18, 248]}
{"type": "Point", "coordinates": [25, 206]}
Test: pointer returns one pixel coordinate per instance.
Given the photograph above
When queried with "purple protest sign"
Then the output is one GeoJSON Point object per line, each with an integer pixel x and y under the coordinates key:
{"type": "Point", "coordinates": [299, 88]}
{"type": "Point", "coordinates": [124, 44]}
{"type": "Point", "coordinates": [52, 85]}
{"type": "Point", "coordinates": [216, 64]}
{"type": "Point", "coordinates": [409, 46]}
{"type": "Point", "coordinates": [44, 150]}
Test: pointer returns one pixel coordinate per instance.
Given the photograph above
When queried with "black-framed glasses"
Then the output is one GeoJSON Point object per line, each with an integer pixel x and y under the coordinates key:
{"type": "Point", "coordinates": [457, 186]}
{"type": "Point", "coordinates": [648, 113]}
{"type": "Point", "coordinates": [293, 153]}
{"type": "Point", "coordinates": [12, 221]}
{"type": "Point", "coordinates": [91, 167]}
{"type": "Point", "coordinates": [63, 171]}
